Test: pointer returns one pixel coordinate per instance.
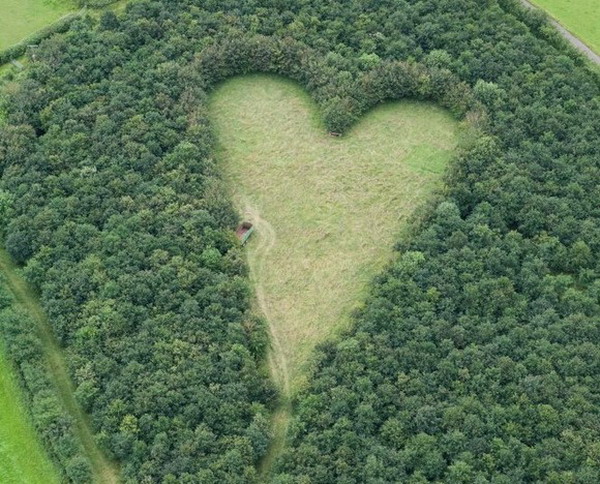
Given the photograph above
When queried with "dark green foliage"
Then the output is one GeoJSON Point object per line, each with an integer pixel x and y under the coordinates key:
{"type": "Point", "coordinates": [49, 416]}
{"type": "Point", "coordinates": [475, 357]}
{"type": "Point", "coordinates": [538, 21]}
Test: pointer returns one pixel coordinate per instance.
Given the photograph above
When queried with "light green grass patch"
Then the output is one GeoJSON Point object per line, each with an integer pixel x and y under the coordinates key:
{"type": "Point", "coordinates": [21, 18]}
{"type": "Point", "coordinates": [327, 210]}
{"type": "Point", "coordinates": [22, 458]}
{"type": "Point", "coordinates": [581, 17]}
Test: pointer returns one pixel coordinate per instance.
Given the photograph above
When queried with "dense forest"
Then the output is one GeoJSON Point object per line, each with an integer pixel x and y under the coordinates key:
{"type": "Point", "coordinates": [475, 359]}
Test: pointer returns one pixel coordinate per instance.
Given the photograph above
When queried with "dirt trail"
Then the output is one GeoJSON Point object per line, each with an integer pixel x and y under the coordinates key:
{"type": "Point", "coordinates": [266, 240]}
{"type": "Point", "coordinates": [572, 39]}
{"type": "Point", "coordinates": [104, 471]}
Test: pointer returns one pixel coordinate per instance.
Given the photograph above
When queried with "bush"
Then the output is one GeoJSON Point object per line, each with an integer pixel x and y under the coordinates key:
{"type": "Point", "coordinates": [20, 49]}
{"type": "Point", "coordinates": [50, 418]}
{"type": "Point", "coordinates": [94, 3]}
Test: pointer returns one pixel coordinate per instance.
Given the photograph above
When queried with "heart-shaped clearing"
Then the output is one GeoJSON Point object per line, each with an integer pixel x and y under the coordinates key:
{"type": "Point", "coordinates": [327, 209]}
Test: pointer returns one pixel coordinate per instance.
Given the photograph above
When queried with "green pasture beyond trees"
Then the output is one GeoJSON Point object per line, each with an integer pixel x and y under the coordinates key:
{"type": "Point", "coordinates": [20, 18]}
{"type": "Point", "coordinates": [22, 458]}
{"type": "Point", "coordinates": [327, 209]}
{"type": "Point", "coordinates": [582, 17]}
{"type": "Point", "coordinates": [18, 442]}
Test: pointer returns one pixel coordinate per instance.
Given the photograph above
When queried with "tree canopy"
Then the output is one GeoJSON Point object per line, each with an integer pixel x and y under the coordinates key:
{"type": "Point", "coordinates": [475, 356]}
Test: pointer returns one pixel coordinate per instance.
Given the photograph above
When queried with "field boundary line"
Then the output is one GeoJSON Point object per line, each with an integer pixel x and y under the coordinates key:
{"type": "Point", "coordinates": [104, 471]}
{"type": "Point", "coordinates": [573, 39]}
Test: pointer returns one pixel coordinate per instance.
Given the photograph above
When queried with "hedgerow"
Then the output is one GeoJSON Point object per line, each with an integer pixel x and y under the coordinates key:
{"type": "Point", "coordinates": [19, 49]}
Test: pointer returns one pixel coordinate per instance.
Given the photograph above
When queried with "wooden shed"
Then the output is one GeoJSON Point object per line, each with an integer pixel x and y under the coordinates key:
{"type": "Point", "coordinates": [244, 231]}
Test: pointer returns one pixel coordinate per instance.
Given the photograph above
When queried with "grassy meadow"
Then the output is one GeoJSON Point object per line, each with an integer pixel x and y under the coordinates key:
{"type": "Point", "coordinates": [21, 18]}
{"type": "Point", "coordinates": [581, 17]}
{"type": "Point", "coordinates": [22, 458]}
{"type": "Point", "coordinates": [327, 210]}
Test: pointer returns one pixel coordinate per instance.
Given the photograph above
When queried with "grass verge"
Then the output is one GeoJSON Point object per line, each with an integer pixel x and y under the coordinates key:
{"type": "Point", "coordinates": [104, 471]}
{"type": "Point", "coordinates": [22, 457]}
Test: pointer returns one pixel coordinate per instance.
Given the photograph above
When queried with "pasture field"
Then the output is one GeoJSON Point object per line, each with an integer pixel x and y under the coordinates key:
{"type": "Point", "coordinates": [20, 18]}
{"type": "Point", "coordinates": [581, 17]}
{"type": "Point", "coordinates": [22, 458]}
{"type": "Point", "coordinates": [327, 210]}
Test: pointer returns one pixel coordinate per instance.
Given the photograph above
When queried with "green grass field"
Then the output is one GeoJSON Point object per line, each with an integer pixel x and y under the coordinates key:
{"type": "Point", "coordinates": [327, 210]}
{"type": "Point", "coordinates": [20, 18]}
{"type": "Point", "coordinates": [104, 471]}
{"type": "Point", "coordinates": [22, 458]}
{"type": "Point", "coordinates": [581, 17]}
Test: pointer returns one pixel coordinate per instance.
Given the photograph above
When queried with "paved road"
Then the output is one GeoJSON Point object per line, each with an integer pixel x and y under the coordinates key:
{"type": "Point", "coordinates": [574, 41]}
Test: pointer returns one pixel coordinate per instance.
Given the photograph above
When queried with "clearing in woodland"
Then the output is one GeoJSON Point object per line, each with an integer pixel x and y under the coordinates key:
{"type": "Point", "coordinates": [327, 210]}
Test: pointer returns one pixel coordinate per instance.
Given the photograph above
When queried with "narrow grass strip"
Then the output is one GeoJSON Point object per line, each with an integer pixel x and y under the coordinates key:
{"type": "Point", "coordinates": [22, 457]}
{"type": "Point", "coordinates": [104, 470]}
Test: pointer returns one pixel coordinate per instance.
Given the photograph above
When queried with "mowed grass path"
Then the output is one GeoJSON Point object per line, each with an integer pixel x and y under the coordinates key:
{"type": "Point", "coordinates": [22, 458]}
{"type": "Point", "coordinates": [581, 17]}
{"type": "Point", "coordinates": [20, 18]}
{"type": "Point", "coordinates": [103, 470]}
{"type": "Point", "coordinates": [328, 210]}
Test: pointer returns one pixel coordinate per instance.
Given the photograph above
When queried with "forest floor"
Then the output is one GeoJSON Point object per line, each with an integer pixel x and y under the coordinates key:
{"type": "Point", "coordinates": [327, 210]}
{"type": "Point", "coordinates": [578, 22]}
{"type": "Point", "coordinates": [104, 470]}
